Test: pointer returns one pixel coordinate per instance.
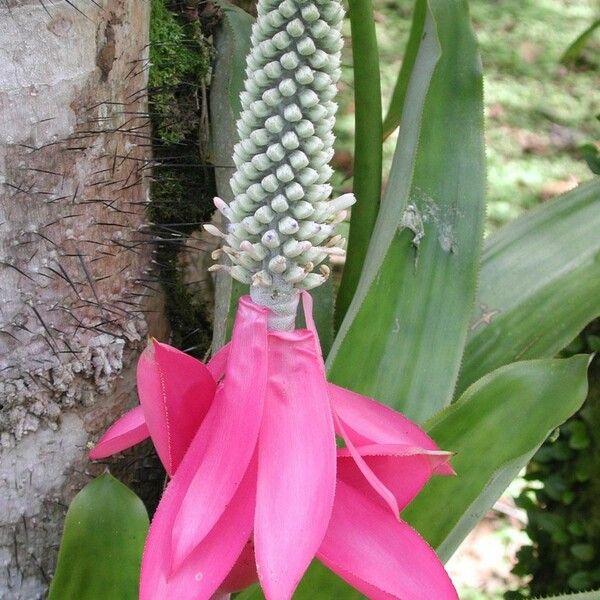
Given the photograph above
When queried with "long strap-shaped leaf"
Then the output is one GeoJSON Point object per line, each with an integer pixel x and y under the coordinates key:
{"type": "Point", "coordinates": [394, 114]}
{"type": "Point", "coordinates": [403, 336]}
{"type": "Point", "coordinates": [233, 45]}
{"type": "Point", "coordinates": [494, 428]}
{"type": "Point", "coordinates": [368, 148]}
{"type": "Point", "coordinates": [591, 595]}
{"type": "Point", "coordinates": [102, 543]}
{"type": "Point", "coordinates": [539, 284]}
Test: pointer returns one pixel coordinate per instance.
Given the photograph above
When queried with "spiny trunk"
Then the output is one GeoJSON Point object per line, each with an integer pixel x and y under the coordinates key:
{"type": "Point", "coordinates": [74, 257]}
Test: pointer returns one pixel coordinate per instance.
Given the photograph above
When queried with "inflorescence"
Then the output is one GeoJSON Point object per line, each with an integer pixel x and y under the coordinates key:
{"type": "Point", "coordinates": [282, 222]}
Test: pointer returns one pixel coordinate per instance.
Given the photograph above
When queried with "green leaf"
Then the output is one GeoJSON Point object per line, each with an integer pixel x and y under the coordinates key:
{"type": "Point", "coordinates": [319, 583]}
{"type": "Point", "coordinates": [539, 284]}
{"type": "Point", "coordinates": [323, 314]}
{"type": "Point", "coordinates": [237, 26]}
{"type": "Point", "coordinates": [232, 44]}
{"type": "Point", "coordinates": [394, 114]}
{"type": "Point", "coordinates": [102, 543]}
{"type": "Point", "coordinates": [573, 52]}
{"type": "Point", "coordinates": [368, 149]}
{"type": "Point", "coordinates": [591, 155]}
{"type": "Point", "coordinates": [592, 595]}
{"type": "Point", "coordinates": [404, 333]}
{"type": "Point", "coordinates": [494, 428]}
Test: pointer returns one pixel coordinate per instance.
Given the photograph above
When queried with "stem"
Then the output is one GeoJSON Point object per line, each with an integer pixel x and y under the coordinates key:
{"type": "Point", "coordinates": [281, 299]}
{"type": "Point", "coordinates": [367, 148]}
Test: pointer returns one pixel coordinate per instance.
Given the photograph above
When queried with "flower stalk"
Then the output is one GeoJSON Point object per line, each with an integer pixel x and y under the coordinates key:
{"type": "Point", "coordinates": [281, 224]}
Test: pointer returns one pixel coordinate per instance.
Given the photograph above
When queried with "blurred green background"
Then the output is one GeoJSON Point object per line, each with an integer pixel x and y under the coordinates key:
{"type": "Point", "coordinates": [537, 111]}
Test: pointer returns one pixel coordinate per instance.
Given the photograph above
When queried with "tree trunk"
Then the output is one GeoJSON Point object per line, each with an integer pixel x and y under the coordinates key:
{"type": "Point", "coordinates": [74, 257]}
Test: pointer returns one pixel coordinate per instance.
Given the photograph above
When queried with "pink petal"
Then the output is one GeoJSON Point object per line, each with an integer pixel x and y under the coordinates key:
{"type": "Point", "coordinates": [296, 464]}
{"type": "Point", "coordinates": [218, 363]}
{"type": "Point", "coordinates": [201, 573]}
{"type": "Point", "coordinates": [228, 434]}
{"type": "Point", "coordinates": [359, 473]}
{"type": "Point", "coordinates": [125, 432]}
{"type": "Point", "coordinates": [175, 391]}
{"type": "Point", "coordinates": [367, 421]}
{"type": "Point", "coordinates": [379, 555]}
{"type": "Point", "coordinates": [243, 572]}
{"type": "Point", "coordinates": [385, 470]}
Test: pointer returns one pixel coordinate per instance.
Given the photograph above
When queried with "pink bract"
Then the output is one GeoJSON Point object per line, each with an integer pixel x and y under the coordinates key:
{"type": "Point", "coordinates": [258, 487]}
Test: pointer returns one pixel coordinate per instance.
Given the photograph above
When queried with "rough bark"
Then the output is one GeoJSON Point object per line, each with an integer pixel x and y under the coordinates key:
{"type": "Point", "coordinates": [74, 258]}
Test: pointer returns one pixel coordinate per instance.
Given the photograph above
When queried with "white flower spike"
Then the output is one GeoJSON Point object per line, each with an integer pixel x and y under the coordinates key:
{"type": "Point", "coordinates": [282, 221]}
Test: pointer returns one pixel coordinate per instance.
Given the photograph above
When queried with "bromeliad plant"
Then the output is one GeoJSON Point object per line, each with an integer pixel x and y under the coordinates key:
{"type": "Point", "coordinates": [258, 487]}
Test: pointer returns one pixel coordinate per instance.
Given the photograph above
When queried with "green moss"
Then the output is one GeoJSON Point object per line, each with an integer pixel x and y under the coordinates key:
{"type": "Point", "coordinates": [180, 58]}
{"type": "Point", "coordinates": [182, 186]}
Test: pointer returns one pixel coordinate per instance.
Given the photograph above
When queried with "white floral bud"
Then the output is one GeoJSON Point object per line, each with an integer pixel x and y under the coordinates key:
{"type": "Point", "coordinates": [261, 78]}
{"type": "Point", "coordinates": [279, 204]}
{"type": "Point", "coordinates": [290, 141]}
{"type": "Point", "coordinates": [307, 177]}
{"type": "Point", "coordinates": [278, 264]}
{"type": "Point", "coordinates": [292, 113]}
{"type": "Point", "coordinates": [304, 75]}
{"type": "Point", "coordinates": [312, 280]}
{"type": "Point", "coordinates": [298, 160]}
{"type": "Point", "coordinates": [288, 226]}
{"type": "Point", "coordinates": [306, 47]}
{"type": "Point", "coordinates": [302, 210]}
{"type": "Point", "coordinates": [293, 248]}
{"type": "Point", "coordinates": [273, 70]}
{"type": "Point", "coordinates": [260, 137]}
{"type": "Point", "coordinates": [319, 29]}
{"type": "Point", "coordinates": [281, 40]}
{"type": "Point", "coordinates": [271, 239]}
{"type": "Point", "coordinates": [255, 192]}
{"type": "Point", "coordinates": [274, 124]}
{"type": "Point", "coordinates": [284, 173]}
{"type": "Point", "coordinates": [281, 222]}
{"type": "Point", "coordinates": [252, 225]}
{"type": "Point", "coordinates": [276, 152]}
{"type": "Point", "coordinates": [270, 183]}
{"type": "Point", "coordinates": [241, 274]}
{"type": "Point", "coordinates": [215, 231]}
{"type": "Point", "coordinates": [295, 28]}
{"type": "Point", "coordinates": [308, 229]}
{"type": "Point", "coordinates": [245, 202]}
{"type": "Point", "coordinates": [315, 113]}
{"type": "Point", "coordinates": [287, 88]}
{"type": "Point", "coordinates": [310, 13]}
{"type": "Point", "coordinates": [264, 215]}
{"type": "Point", "coordinates": [262, 278]}
{"type": "Point", "coordinates": [305, 129]}
{"type": "Point", "coordinates": [260, 109]}
{"type": "Point", "coordinates": [294, 192]}
{"type": "Point", "coordinates": [290, 60]}
{"type": "Point", "coordinates": [248, 171]}
{"type": "Point", "coordinates": [256, 251]}
{"type": "Point", "coordinates": [275, 19]}
{"type": "Point", "coordinates": [287, 9]}
{"type": "Point", "coordinates": [295, 274]}
{"type": "Point", "coordinates": [272, 97]}
{"type": "Point", "coordinates": [261, 162]}
{"type": "Point", "coordinates": [308, 98]}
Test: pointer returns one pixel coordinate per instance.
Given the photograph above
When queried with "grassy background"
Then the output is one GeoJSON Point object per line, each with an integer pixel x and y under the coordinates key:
{"type": "Point", "coordinates": [537, 111]}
